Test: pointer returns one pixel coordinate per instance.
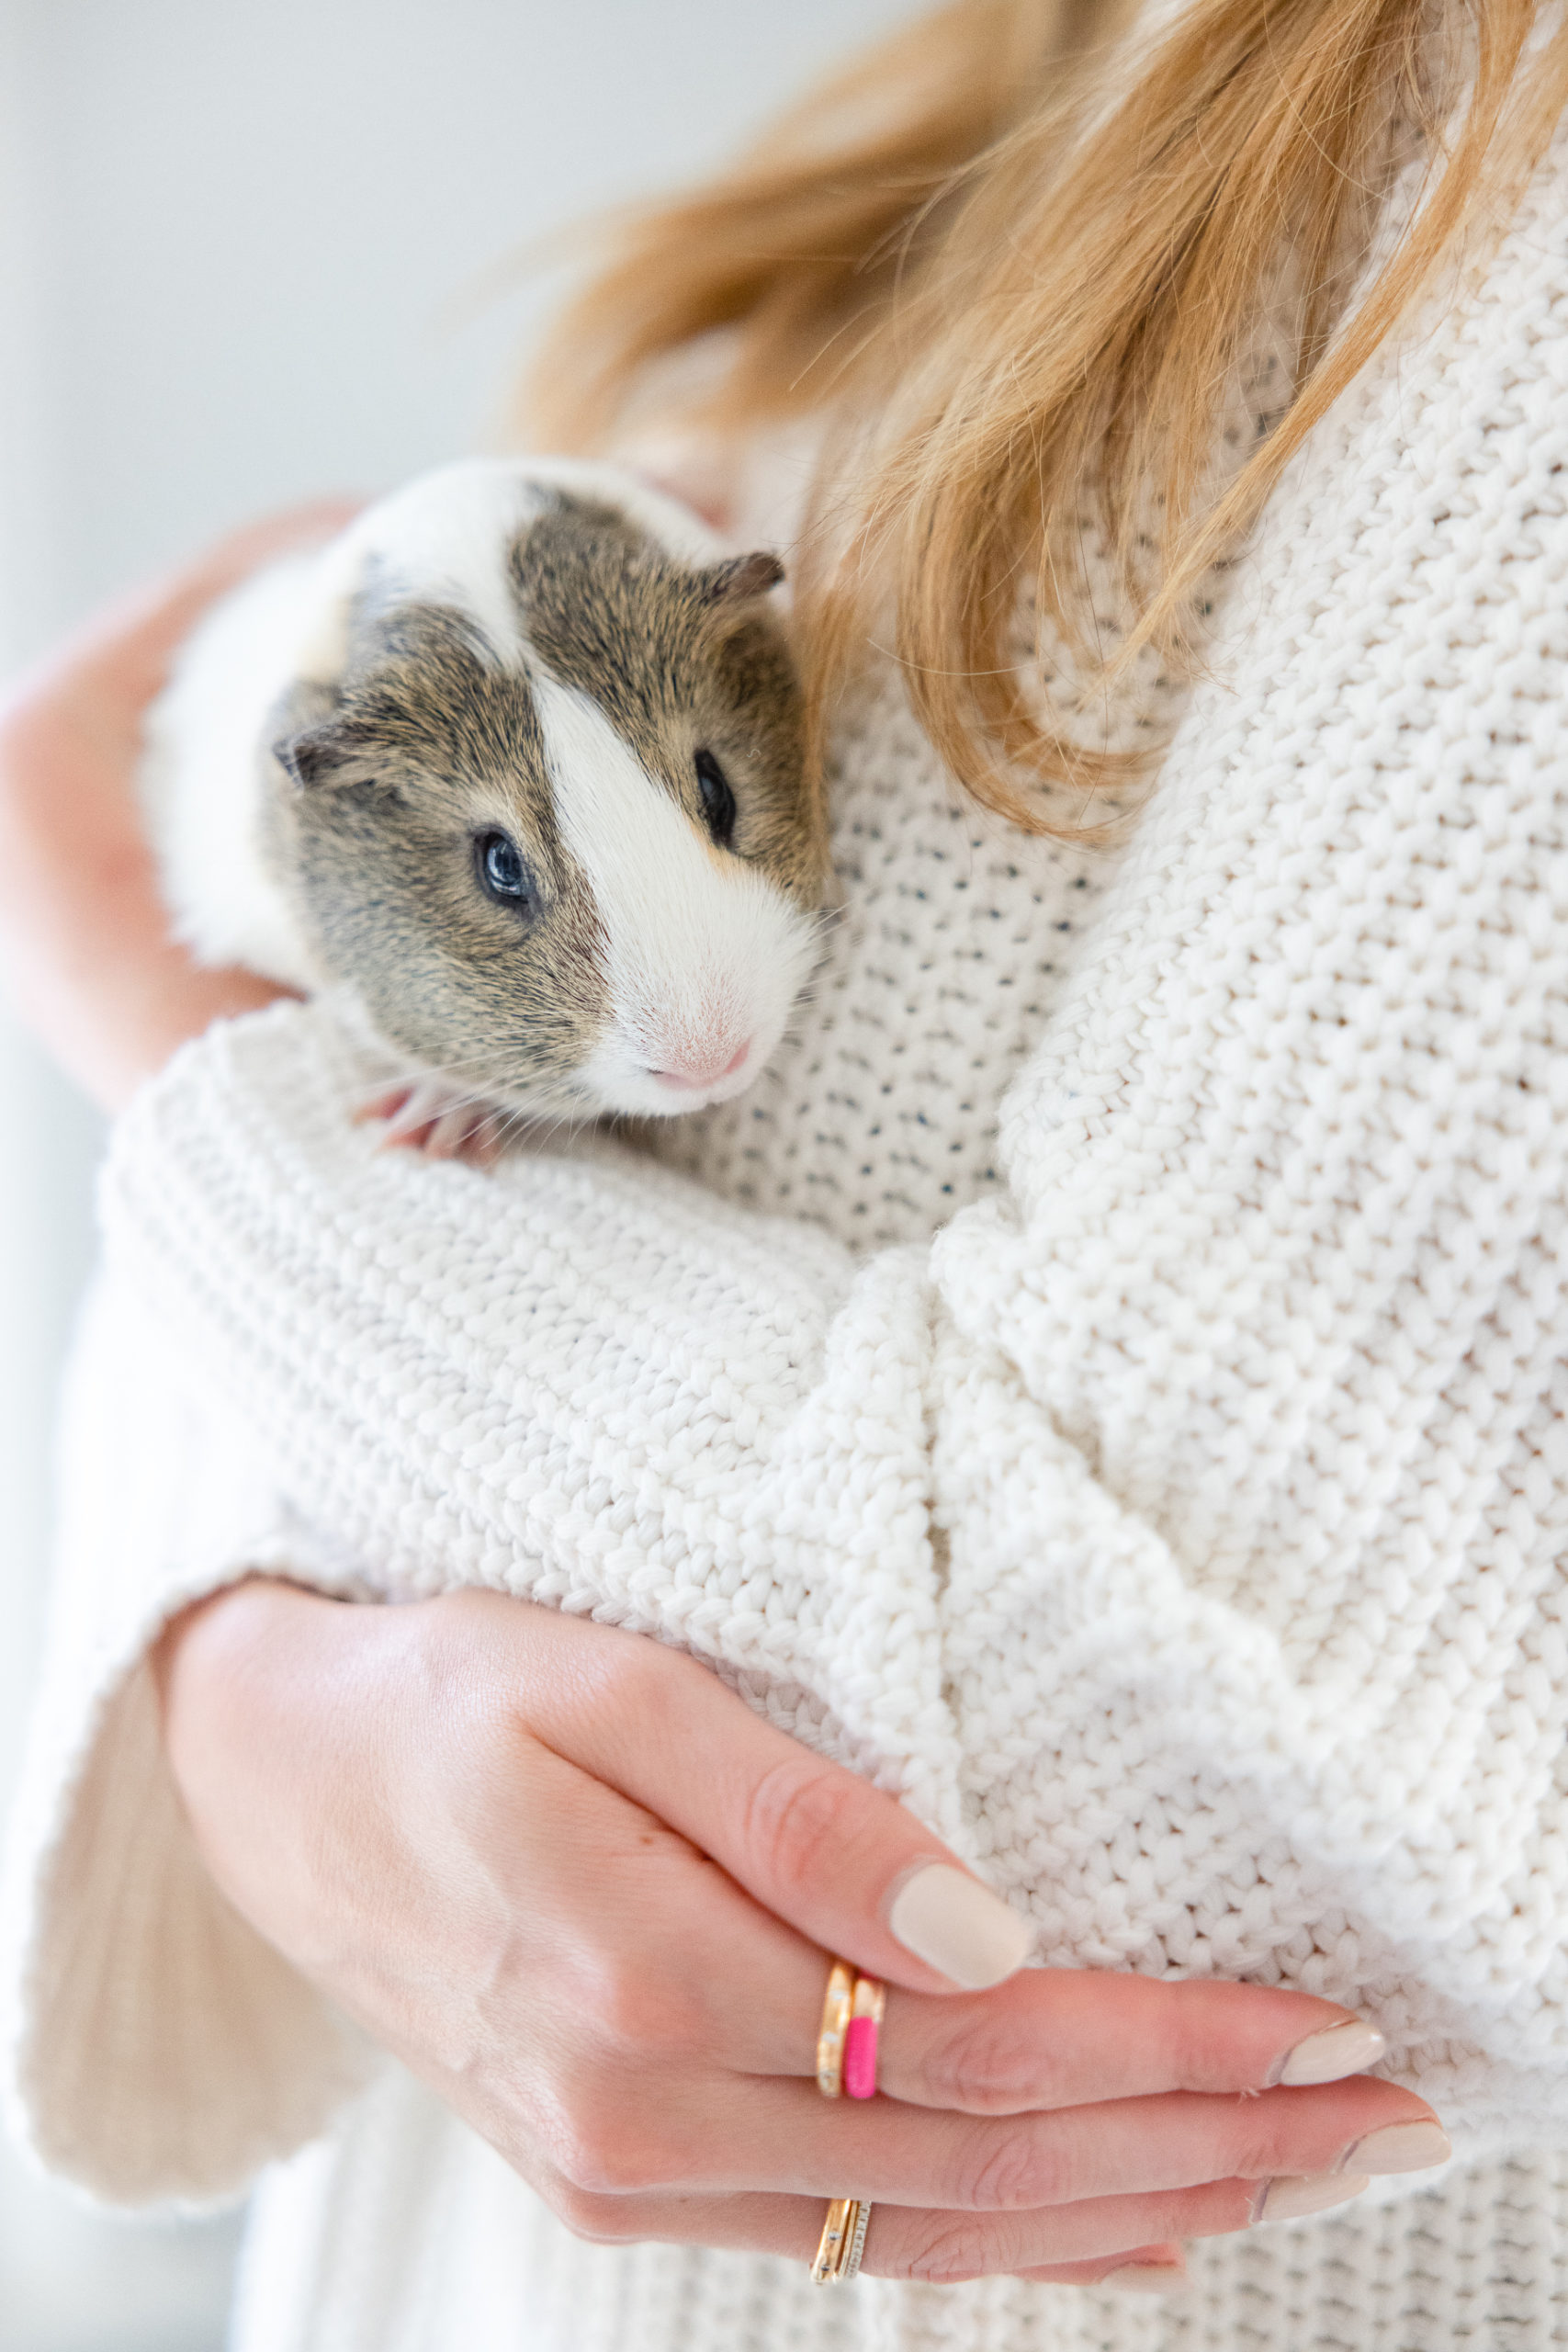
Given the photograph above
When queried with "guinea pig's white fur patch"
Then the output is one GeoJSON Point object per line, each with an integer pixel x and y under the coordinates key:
{"type": "Point", "coordinates": [704, 956]}
{"type": "Point", "coordinates": [444, 538]}
{"type": "Point", "coordinates": [201, 777]}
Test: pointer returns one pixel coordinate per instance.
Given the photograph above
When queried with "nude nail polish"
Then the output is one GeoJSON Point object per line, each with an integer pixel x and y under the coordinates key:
{"type": "Point", "coordinates": [1295, 2195]}
{"type": "Point", "coordinates": [1329, 2056]}
{"type": "Point", "coordinates": [954, 1924]}
{"type": "Point", "coordinates": [1148, 2279]}
{"type": "Point", "coordinates": [1401, 2147]}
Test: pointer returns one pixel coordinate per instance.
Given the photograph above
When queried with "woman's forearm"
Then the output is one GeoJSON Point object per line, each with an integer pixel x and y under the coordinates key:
{"type": "Point", "coordinates": [87, 958]}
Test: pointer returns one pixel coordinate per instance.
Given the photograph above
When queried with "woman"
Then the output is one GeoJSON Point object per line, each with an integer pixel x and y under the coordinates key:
{"type": "Point", "coordinates": [1176, 1531]}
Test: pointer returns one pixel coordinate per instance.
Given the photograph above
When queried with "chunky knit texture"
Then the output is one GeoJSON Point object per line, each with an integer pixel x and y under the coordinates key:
{"type": "Point", "coordinates": [1180, 1531]}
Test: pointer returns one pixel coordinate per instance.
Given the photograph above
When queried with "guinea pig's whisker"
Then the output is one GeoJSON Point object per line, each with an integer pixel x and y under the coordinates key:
{"type": "Point", "coordinates": [444, 1073]}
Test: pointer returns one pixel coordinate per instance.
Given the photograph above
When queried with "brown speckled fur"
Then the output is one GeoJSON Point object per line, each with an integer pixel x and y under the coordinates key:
{"type": "Point", "coordinates": [677, 668]}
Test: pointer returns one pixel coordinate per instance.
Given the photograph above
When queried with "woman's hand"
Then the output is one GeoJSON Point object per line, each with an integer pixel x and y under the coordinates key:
{"type": "Point", "coordinates": [87, 956]}
{"type": "Point", "coordinates": [587, 1895]}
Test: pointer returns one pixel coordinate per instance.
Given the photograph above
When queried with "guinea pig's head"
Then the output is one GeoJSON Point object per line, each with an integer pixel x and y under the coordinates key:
{"type": "Point", "coordinates": [551, 821]}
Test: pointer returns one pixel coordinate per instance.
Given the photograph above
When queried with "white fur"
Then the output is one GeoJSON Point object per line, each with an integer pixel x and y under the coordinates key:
{"type": "Point", "coordinates": [443, 540]}
{"type": "Point", "coordinates": [706, 954]}
{"type": "Point", "coordinates": [201, 775]}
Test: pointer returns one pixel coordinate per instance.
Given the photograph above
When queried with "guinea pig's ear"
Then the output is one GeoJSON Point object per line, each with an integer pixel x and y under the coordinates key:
{"type": "Point", "coordinates": [741, 577]}
{"type": "Point", "coordinates": [318, 756]}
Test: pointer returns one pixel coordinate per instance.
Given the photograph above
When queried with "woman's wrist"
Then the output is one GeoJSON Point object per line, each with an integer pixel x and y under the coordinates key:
{"type": "Point", "coordinates": [245, 1683]}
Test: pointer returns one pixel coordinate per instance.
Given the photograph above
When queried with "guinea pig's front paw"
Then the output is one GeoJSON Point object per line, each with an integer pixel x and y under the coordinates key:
{"type": "Point", "coordinates": [426, 1116]}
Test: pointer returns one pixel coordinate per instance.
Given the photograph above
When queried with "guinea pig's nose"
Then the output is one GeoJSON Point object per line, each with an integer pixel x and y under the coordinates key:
{"type": "Point", "coordinates": [691, 1080]}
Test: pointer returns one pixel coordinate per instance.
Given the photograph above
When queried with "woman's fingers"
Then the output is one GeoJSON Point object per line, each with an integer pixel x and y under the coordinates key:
{"type": "Point", "coordinates": [1093, 2239]}
{"type": "Point", "coordinates": [946, 2247]}
{"type": "Point", "coordinates": [842, 1863]}
{"type": "Point", "coordinates": [1048, 2038]}
{"type": "Point", "coordinates": [650, 2057]}
{"type": "Point", "coordinates": [1144, 2269]}
{"type": "Point", "coordinates": [852, 1872]}
{"type": "Point", "coordinates": [1056, 2037]}
{"type": "Point", "coordinates": [767, 2134]}
{"type": "Point", "coordinates": [684, 2079]}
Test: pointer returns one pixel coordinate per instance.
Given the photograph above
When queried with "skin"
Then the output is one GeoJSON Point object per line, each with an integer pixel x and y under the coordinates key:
{"type": "Point", "coordinates": [84, 952]}
{"type": "Point", "coordinates": [573, 1881]}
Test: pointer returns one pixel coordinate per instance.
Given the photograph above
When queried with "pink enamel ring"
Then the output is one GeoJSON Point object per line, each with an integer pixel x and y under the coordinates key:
{"type": "Point", "coordinates": [852, 2007]}
{"type": "Point", "coordinates": [860, 2040]}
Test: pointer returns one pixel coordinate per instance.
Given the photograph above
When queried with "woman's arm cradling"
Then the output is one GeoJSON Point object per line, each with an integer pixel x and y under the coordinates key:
{"type": "Point", "coordinates": [87, 956]}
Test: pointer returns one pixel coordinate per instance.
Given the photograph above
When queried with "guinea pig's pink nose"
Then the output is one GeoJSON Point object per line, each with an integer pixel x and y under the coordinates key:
{"type": "Point", "coordinates": [691, 1080]}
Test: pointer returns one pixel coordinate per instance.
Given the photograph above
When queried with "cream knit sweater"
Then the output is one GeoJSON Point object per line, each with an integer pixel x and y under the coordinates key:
{"type": "Point", "coordinates": [1180, 1529]}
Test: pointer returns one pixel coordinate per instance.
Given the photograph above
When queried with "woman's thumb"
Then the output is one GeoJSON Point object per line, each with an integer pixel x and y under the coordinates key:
{"type": "Point", "coordinates": [838, 1860]}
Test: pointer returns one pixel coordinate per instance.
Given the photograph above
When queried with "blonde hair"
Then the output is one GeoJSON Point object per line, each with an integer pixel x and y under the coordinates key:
{"type": "Point", "coordinates": [1036, 269]}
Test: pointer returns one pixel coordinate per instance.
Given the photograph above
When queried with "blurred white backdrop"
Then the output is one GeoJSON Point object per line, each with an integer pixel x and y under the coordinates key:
{"type": "Point", "coordinates": [241, 251]}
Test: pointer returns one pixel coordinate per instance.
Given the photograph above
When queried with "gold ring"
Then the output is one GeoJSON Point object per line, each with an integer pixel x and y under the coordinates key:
{"type": "Point", "coordinates": [842, 2241]}
{"type": "Point", "coordinates": [838, 2004]}
{"type": "Point", "coordinates": [849, 2265]}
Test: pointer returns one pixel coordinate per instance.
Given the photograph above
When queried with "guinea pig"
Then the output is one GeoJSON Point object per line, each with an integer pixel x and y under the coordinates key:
{"type": "Point", "coordinates": [518, 764]}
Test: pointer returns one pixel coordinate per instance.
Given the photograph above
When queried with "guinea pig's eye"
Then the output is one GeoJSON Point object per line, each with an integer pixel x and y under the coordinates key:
{"type": "Point", "coordinates": [718, 802]}
{"type": "Point", "coordinates": [505, 873]}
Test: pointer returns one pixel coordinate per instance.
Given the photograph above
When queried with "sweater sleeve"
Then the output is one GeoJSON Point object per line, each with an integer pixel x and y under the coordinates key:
{"type": "Point", "coordinates": [1181, 1532]}
{"type": "Point", "coordinates": [116, 1941]}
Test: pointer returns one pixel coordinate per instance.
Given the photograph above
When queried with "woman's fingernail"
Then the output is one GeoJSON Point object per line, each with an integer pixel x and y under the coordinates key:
{"type": "Point", "coordinates": [952, 1923]}
{"type": "Point", "coordinates": [1148, 2279]}
{"type": "Point", "coordinates": [1401, 2147]}
{"type": "Point", "coordinates": [1329, 2056]}
{"type": "Point", "coordinates": [1293, 2194]}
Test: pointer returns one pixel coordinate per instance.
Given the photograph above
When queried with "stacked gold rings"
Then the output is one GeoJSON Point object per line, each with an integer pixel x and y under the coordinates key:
{"type": "Point", "coordinates": [853, 2010]}
{"type": "Point", "coordinates": [842, 2241]}
{"type": "Point", "coordinates": [852, 2007]}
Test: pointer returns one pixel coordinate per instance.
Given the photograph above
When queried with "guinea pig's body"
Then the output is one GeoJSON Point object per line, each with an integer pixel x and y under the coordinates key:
{"type": "Point", "coordinates": [518, 763]}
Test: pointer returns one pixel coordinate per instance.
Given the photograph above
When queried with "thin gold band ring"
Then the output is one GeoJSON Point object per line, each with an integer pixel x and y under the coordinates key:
{"type": "Point", "coordinates": [838, 2006]}
{"type": "Point", "coordinates": [842, 2242]}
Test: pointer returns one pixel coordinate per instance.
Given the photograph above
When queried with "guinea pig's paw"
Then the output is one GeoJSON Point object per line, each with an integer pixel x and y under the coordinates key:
{"type": "Point", "coordinates": [423, 1115]}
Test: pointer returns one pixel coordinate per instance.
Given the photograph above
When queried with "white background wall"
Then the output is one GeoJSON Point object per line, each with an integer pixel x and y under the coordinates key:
{"type": "Point", "coordinates": [241, 249]}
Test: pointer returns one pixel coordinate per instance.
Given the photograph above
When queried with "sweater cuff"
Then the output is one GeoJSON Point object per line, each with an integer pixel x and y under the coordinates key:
{"type": "Point", "coordinates": [159, 2048]}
